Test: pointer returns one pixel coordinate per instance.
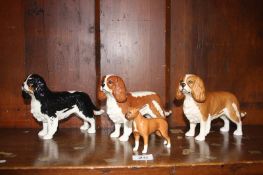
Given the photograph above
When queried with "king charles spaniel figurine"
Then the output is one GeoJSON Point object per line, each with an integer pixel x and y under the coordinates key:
{"type": "Point", "coordinates": [145, 126]}
{"type": "Point", "coordinates": [112, 89]}
{"type": "Point", "coordinates": [201, 107]}
{"type": "Point", "coordinates": [49, 107]}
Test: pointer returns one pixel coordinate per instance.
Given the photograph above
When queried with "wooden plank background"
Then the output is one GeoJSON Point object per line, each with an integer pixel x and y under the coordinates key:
{"type": "Point", "coordinates": [150, 43]}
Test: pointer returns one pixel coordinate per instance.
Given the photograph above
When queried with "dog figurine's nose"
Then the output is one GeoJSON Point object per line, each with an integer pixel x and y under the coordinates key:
{"type": "Point", "coordinates": [183, 84]}
{"type": "Point", "coordinates": [103, 84]}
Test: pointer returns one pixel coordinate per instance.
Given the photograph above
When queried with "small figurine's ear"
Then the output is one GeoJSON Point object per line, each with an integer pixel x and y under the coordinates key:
{"type": "Point", "coordinates": [119, 91]}
{"type": "Point", "coordinates": [100, 94]}
{"type": "Point", "coordinates": [198, 90]}
{"type": "Point", "coordinates": [179, 95]}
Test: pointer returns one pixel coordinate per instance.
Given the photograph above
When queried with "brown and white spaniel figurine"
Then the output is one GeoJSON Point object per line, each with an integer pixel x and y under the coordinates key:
{"type": "Point", "coordinates": [201, 107]}
{"type": "Point", "coordinates": [112, 89]}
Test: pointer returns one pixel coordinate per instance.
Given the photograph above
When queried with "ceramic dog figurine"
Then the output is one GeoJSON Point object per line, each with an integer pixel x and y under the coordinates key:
{"type": "Point", "coordinates": [145, 126]}
{"type": "Point", "coordinates": [49, 107]}
{"type": "Point", "coordinates": [112, 89]}
{"type": "Point", "coordinates": [201, 107]}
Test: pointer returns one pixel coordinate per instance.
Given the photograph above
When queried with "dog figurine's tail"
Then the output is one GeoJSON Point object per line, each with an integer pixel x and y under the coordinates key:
{"type": "Point", "coordinates": [243, 114]}
{"type": "Point", "coordinates": [167, 113]}
{"type": "Point", "coordinates": [98, 111]}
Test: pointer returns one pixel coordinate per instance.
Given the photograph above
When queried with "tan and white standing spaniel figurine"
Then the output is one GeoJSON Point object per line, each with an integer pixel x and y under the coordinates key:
{"type": "Point", "coordinates": [201, 107]}
{"type": "Point", "coordinates": [112, 89]}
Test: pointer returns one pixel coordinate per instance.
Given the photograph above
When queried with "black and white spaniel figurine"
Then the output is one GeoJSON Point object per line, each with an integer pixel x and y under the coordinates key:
{"type": "Point", "coordinates": [49, 107]}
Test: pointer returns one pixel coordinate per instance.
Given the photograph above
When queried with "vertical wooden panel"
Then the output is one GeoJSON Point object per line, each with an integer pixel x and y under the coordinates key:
{"type": "Point", "coordinates": [228, 50]}
{"type": "Point", "coordinates": [133, 43]}
{"type": "Point", "coordinates": [224, 46]}
{"type": "Point", "coordinates": [60, 44]}
{"type": "Point", "coordinates": [12, 108]}
{"type": "Point", "coordinates": [181, 49]}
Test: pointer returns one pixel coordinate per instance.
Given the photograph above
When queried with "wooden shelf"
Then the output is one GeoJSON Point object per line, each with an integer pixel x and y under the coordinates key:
{"type": "Point", "coordinates": [74, 152]}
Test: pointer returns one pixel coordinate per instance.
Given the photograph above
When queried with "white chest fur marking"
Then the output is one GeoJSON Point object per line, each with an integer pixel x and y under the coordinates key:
{"type": "Point", "coordinates": [134, 126]}
{"type": "Point", "coordinates": [36, 109]}
{"type": "Point", "coordinates": [113, 110]}
{"type": "Point", "coordinates": [191, 110]}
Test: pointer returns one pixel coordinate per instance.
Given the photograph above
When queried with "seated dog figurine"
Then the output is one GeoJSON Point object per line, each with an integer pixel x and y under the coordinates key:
{"type": "Point", "coordinates": [145, 126]}
{"type": "Point", "coordinates": [112, 89]}
{"type": "Point", "coordinates": [201, 107]}
{"type": "Point", "coordinates": [49, 107]}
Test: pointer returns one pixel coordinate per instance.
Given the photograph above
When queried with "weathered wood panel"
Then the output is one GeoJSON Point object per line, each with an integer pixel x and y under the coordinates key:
{"type": "Point", "coordinates": [12, 68]}
{"type": "Point", "coordinates": [222, 42]}
{"type": "Point", "coordinates": [60, 45]}
{"type": "Point", "coordinates": [133, 43]}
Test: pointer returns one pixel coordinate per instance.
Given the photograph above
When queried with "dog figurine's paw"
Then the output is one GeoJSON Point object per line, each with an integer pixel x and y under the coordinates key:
{"type": "Point", "coordinates": [42, 133]}
{"type": "Point", "coordinates": [124, 138]}
{"type": "Point", "coordinates": [115, 134]}
{"type": "Point", "coordinates": [144, 151]}
{"type": "Point", "coordinates": [200, 138]}
{"type": "Point", "coordinates": [224, 129]}
{"type": "Point", "coordinates": [91, 130]}
{"type": "Point", "coordinates": [238, 133]}
{"type": "Point", "coordinates": [189, 134]}
{"type": "Point", "coordinates": [84, 127]}
{"type": "Point", "coordinates": [47, 137]}
{"type": "Point", "coordinates": [135, 149]}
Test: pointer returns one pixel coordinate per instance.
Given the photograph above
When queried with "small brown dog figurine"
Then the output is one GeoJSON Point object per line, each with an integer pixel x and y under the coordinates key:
{"type": "Point", "coordinates": [145, 126]}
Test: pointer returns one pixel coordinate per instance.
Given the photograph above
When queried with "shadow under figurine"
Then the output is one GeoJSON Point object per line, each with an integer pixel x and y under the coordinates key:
{"type": "Point", "coordinates": [145, 126]}
{"type": "Point", "coordinates": [202, 107]}
{"type": "Point", "coordinates": [49, 107]}
{"type": "Point", "coordinates": [112, 89]}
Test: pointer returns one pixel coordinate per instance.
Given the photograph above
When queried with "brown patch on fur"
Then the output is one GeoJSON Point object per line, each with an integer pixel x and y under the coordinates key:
{"type": "Point", "coordinates": [216, 102]}
{"type": "Point", "coordinates": [179, 95]}
{"type": "Point", "coordinates": [125, 99]}
{"type": "Point", "coordinates": [119, 89]}
{"type": "Point", "coordinates": [31, 89]}
{"type": "Point", "coordinates": [198, 88]}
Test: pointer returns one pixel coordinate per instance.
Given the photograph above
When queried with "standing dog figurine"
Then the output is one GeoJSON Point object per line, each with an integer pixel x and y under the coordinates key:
{"type": "Point", "coordinates": [49, 107]}
{"type": "Point", "coordinates": [112, 89]}
{"type": "Point", "coordinates": [201, 107]}
{"type": "Point", "coordinates": [145, 126]}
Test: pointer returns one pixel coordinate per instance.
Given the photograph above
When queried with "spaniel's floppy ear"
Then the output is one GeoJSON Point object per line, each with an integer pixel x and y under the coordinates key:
{"type": "Point", "coordinates": [198, 90]}
{"type": "Point", "coordinates": [179, 95]}
{"type": "Point", "coordinates": [101, 95]}
{"type": "Point", "coordinates": [119, 91]}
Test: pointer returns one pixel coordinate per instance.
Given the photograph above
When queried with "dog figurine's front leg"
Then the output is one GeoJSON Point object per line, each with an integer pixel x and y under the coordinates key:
{"type": "Point", "coordinates": [191, 131]}
{"type": "Point", "coordinates": [52, 127]}
{"type": "Point", "coordinates": [145, 143]}
{"type": "Point", "coordinates": [116, 132]}
{"type": "Point", "coordinates": [202, 134]}
{"type": "Point", "coordinates": [44, 131]}
{"type": "Point", "coordinates": [137, 139]}
{"type": "Point", "coordinates": [127, 130]}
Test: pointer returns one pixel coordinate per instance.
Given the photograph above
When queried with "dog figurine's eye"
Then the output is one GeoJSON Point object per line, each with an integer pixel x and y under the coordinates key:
{"type": "Point", "coordinates": [110, 82]}
{"type": "Point", "coordinates": [190, 82]}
